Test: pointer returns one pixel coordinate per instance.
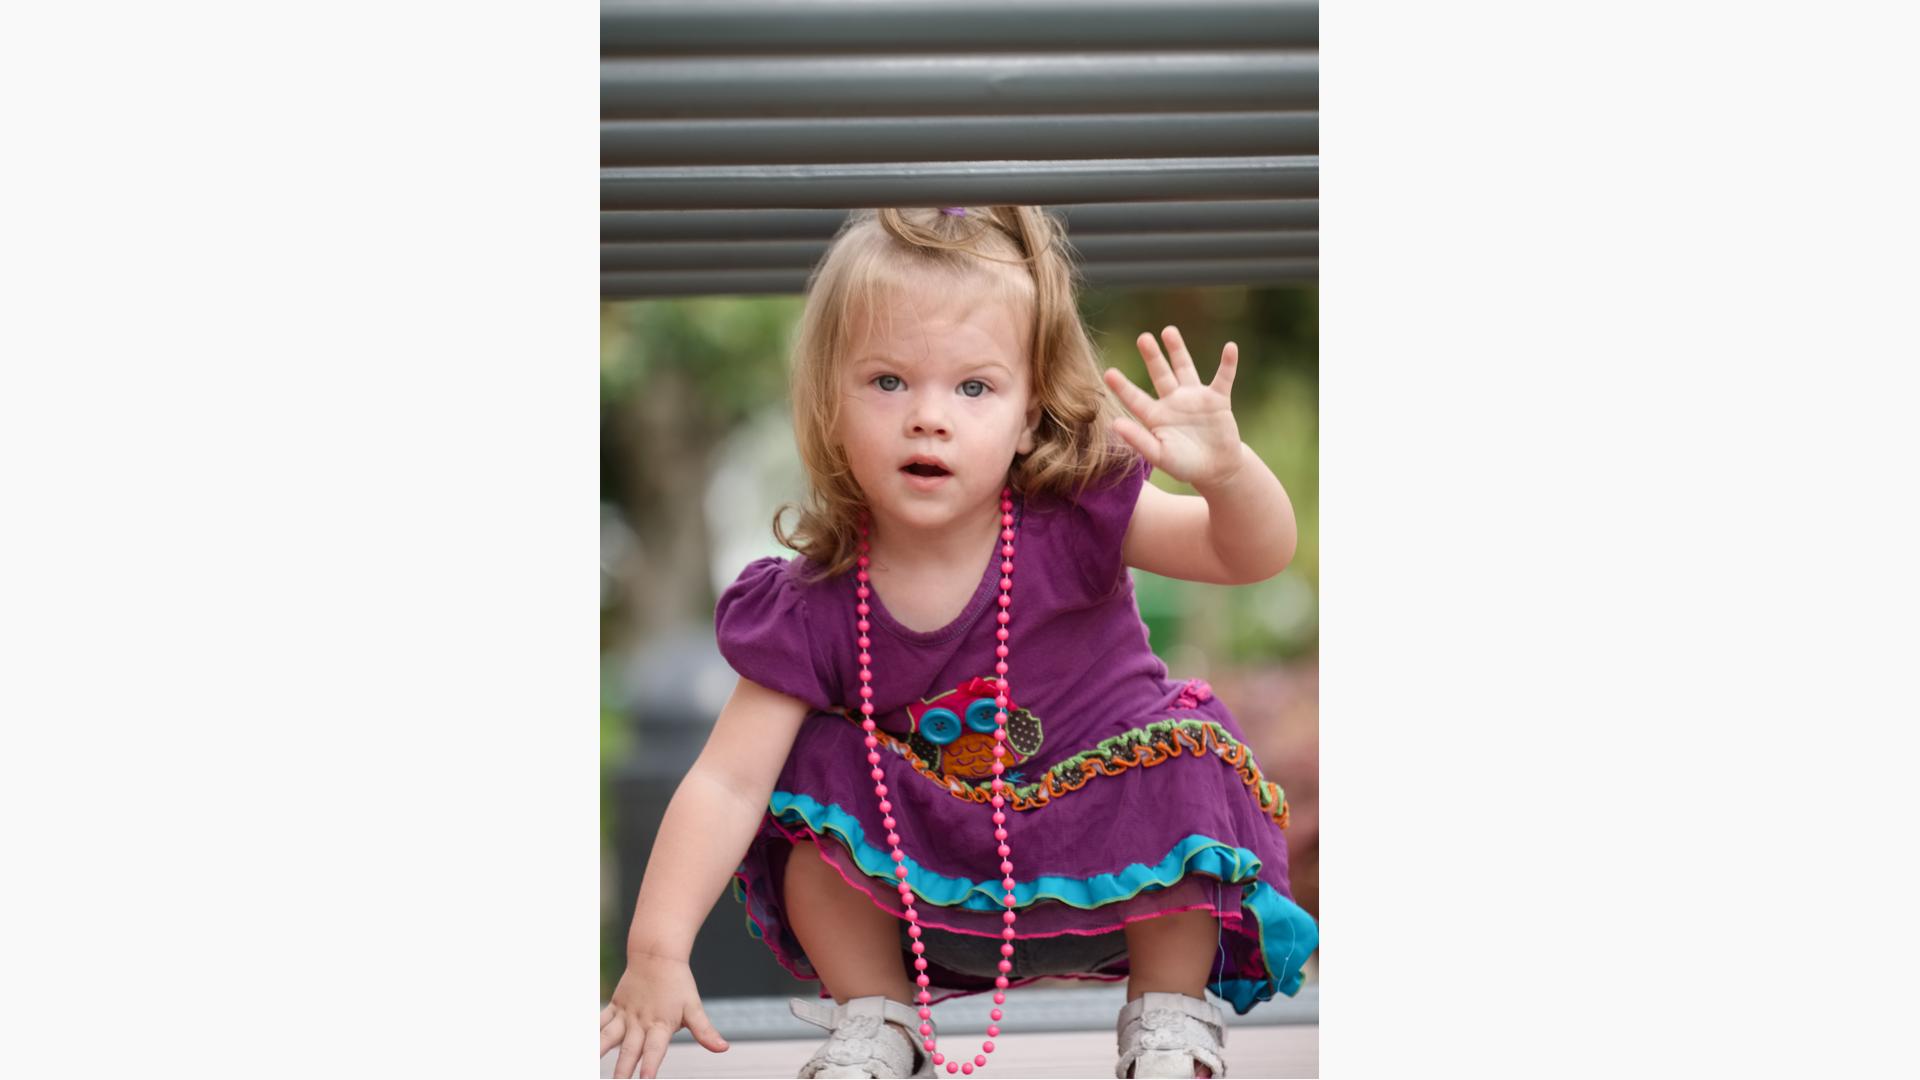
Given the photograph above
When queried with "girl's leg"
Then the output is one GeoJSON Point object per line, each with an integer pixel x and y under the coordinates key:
{"type": "Point", "coordinates": [1172, 954]}
{"type": "Point", "coordinates": [854, 945]}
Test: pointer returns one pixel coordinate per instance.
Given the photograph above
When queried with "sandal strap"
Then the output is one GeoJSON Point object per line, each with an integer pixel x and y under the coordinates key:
{"type": "Point", "coordinates": [861, 1038]}
{"type": "Point", "coordinates": [821, 1014]}
{"type": "Point", "coordinates": [1166, 1033]}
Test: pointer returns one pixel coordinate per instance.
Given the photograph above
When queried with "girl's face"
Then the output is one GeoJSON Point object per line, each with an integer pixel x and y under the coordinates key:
{"type": "Point", "coordinates": [935, 403]}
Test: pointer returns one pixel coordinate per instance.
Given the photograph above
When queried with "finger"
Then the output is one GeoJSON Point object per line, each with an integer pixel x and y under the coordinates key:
{"type": "Point", "coordinates": [606, 1014]}
{"type": "Point", "coordinates": [630, 1045]}
{"type": "Point", "coordinates": [612, 1033]}
{"type": "Point", "coordinates": [1131, 396]}
{"type": "Point", "coordinates": [1182, 360]}
{"type": "Point", "coordinates": [654, 1051]}
{"type": "Point", "coordinates": [703, 1030]}
{"type": "Point", "coordinates": [1139, 438]}
{"type": "Point", "coordinates": [1229, 363]}
{"type": "Point", "coordinates": [1164, 382]}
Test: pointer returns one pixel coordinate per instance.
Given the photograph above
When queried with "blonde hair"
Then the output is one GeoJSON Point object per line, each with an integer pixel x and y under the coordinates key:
{"type": "Point", "coordinates": [1019, 252]}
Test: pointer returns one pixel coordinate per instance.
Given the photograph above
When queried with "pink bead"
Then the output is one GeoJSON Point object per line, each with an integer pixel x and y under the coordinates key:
{"type": "Point", "coordinates": [919, 964]}
{"type": "Point", "coordinates": [872, 741]}
{"type": "Point", "coordinates": [999, 834]}
{"type": "Point", "coordinates": [900, 871]}
{"type": "Point", "coordinates": [939, 1059]}
{"type": "Point", "coordinates": [880, 790]}
{"type": "Point", "coordinates": [994, 1031]}
{"type": "Point", "coordinates": [1008, 932]}
{"type": "Point", "coordinates": [863, 592]}
{"type": "Point", "coordinates": [866, 711]}
{"type": "Point", "coordinates": [873, 756]}
{"type": "Point", "coordinates": [923, 980]}
{"type": "Point", "coordinates": [886, 808]}
{"type": "Point", "coordinates": [988, 1045]}
{"type": "Point", "coordinates": [966, 1067]}
{"type": "Point", "coordinates": [866, 691]}
{"type": "Point", "coordinates": [998, 802]}
{"type": "Point", "coordinates": [905, 890]}
{"type": "Point", "coordinates": [1005, 850]}
{"type": "Point", "coordinates": [979, 1059]}
{"type": "Point", "coordinates": [899, 856]}
{"type": "Point", "coordinates": [1007, 550]}
{"type": "Point", "coordinates": [1000, 700]}
{"type": "Point", "coordinates": [1006, 582]}
{"type": "Point", "coordinates": [866, 642]}
{"type": "Point", "coordinates": [1000, 668]}
{"type": "Point", "coordinates": [1006, 883]}
{"type": "Point", "coordinates": [1002, 632]}
{"type": "Point", "coordinates": [1007, 917]}
{"type": "Point", "coordinates": [1006, 519]}
{"type": "Point", "coordinates": [1003, 618]}
{"type": "Point", "coordinates": [999, 999]}
{"type": "Point", "coordinates": [893, 838]}
{"type": "Point", "coordinates": [864, 627]}
{"type": "Point", "coordinates": [926, 1029]}
{"type": "Point", "coordinates": [1006, 950]}
{"type": "Point", "coordinates": [998, 768]}
{"type": "Point", "coordinates": [952, 1068]}
{"type": "Point", "coordinates": [999, 818]}
{"type": "Point", "coordinates": [1000, 651]}
{"type": "Point", "coordinates": [865, 658]}
{"type": "Point", "coordinates": [862, 575]}
{"type": "Point", "coordinates": [862, 609]}
{"type": "Point", "coordinates": [929, 1045]}
{"type": "Point", "coordinates": [996, 1014]}
{"type": "Point", "coordinates": [926, 1013]}
{"type": "Point", "coordinates": [878, 774]}
{"type": "Point", "coordinates": [912, 914]}
{"type": "Point", "coordinates": [1005, 600]}
{"type": "Point", "coordinates": [1001, 982]}
{"type": "Point", "coordinates": [913, 931]}
{"type": "Point", "coordinates": [1006, 965]}
{"type": "Point", "coordinates": [890, 824]}
{"type": "Point", "coordinates": [1006, 567]}
{"type": "Point", "coordinates": [1006, 534]}
{"type": "Point", "coordinates": [918, 947]}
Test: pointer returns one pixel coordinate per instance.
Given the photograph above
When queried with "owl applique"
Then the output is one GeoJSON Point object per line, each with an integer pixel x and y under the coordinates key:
{"type": "Point", "coordinates": [953, 732]}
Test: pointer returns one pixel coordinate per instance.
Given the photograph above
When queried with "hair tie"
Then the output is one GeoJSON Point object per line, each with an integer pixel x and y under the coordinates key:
{"type": "Point", "coordinates": [954, 211]}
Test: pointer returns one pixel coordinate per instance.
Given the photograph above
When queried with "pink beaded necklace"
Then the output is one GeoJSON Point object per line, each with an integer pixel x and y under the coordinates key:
{"type": "Point", "coordinates": [1000, 700]}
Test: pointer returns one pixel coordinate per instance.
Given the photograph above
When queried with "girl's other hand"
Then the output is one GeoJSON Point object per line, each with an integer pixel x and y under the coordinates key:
{"type": "Point", "coordinates": [1189, 433]}
{"type": "Point", "coordinates": [656, 997]}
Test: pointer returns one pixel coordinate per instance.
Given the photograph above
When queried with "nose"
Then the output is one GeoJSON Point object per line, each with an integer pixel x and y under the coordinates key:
{"type": "Point", "coordinates": [927, 418]}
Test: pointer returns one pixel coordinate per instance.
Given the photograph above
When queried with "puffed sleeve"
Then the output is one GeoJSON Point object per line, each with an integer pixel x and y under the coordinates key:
{"type": "Point", "coordinates": [1103, 512]}
{"type": "Point", "coordinates": [762, 625]}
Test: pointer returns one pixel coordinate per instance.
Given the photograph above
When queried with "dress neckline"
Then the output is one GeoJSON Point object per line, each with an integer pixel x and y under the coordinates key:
{"type": "Point", "coordinates": [983, 595]}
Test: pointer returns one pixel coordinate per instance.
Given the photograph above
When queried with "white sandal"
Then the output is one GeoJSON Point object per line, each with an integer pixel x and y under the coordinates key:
{"type": "Point", "coordinates": [863, 1042]}
{"type": "Point", "coordinates": [1165, 1035]}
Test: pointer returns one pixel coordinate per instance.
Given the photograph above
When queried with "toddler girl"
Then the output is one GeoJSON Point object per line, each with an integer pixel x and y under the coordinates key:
{"type": "Point", "coordinates": [952, 764]}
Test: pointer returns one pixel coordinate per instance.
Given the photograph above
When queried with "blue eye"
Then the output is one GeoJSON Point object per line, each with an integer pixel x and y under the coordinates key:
{"type": "Point", "coordinates": [939, 726]}
{"type": "Point", "coordinates": [965, 387]}
{"type": "Point", "coordinates": [883, 383]}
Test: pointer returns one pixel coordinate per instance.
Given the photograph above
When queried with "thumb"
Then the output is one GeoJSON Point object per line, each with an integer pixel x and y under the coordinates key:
{"type": "Point", "coordinates": [1139, 438]}
{"type": "Point", "coordinates": [703, 1030]}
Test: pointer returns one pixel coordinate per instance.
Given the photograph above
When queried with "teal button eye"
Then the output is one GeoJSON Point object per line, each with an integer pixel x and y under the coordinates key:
{"type": "Point", "coordinates": [980, 715]}
{"type": "Point", "coordinates": [939, 726]}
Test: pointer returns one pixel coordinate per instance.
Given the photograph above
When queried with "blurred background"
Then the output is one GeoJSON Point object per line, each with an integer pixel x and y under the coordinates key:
{"type": "Point", "coordinates": [696, 455]}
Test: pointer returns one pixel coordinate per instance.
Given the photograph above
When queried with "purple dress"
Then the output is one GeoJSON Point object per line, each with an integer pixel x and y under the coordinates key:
{"type": "Point", "coordinates": [1133, 794]}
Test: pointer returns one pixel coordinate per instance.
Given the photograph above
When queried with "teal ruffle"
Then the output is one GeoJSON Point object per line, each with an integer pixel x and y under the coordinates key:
{"type": "Point", "coordinates": [1287, 933]}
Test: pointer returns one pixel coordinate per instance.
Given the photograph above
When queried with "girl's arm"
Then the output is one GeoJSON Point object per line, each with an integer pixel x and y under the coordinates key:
{"type": "Point", "coordinates": [708, 825]}
{"type": "Point", "coordinates": [1242, 517]}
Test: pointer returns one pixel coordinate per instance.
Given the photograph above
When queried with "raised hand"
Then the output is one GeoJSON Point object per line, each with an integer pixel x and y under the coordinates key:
{"type": "Point", "coordinates": [1189, 433]}
{"type": "Point", "coordinates": [655, 998]}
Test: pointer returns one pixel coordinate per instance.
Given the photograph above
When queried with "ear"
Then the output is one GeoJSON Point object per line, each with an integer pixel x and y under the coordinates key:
{"type": "Point", "coordinates": [1025, 445]}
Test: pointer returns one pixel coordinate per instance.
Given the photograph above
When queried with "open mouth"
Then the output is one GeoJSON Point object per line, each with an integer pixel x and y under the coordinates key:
{"type": "Point", "coordinates": [924, 469]}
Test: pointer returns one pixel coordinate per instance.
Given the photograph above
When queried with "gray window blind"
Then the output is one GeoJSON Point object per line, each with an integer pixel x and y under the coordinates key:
{"type": "Point", "coordinates": [1179, 140]}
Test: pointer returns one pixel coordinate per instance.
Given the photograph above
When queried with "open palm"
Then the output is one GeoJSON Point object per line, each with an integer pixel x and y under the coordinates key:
{"type": "Point", "coordinates": [1189, 433]}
